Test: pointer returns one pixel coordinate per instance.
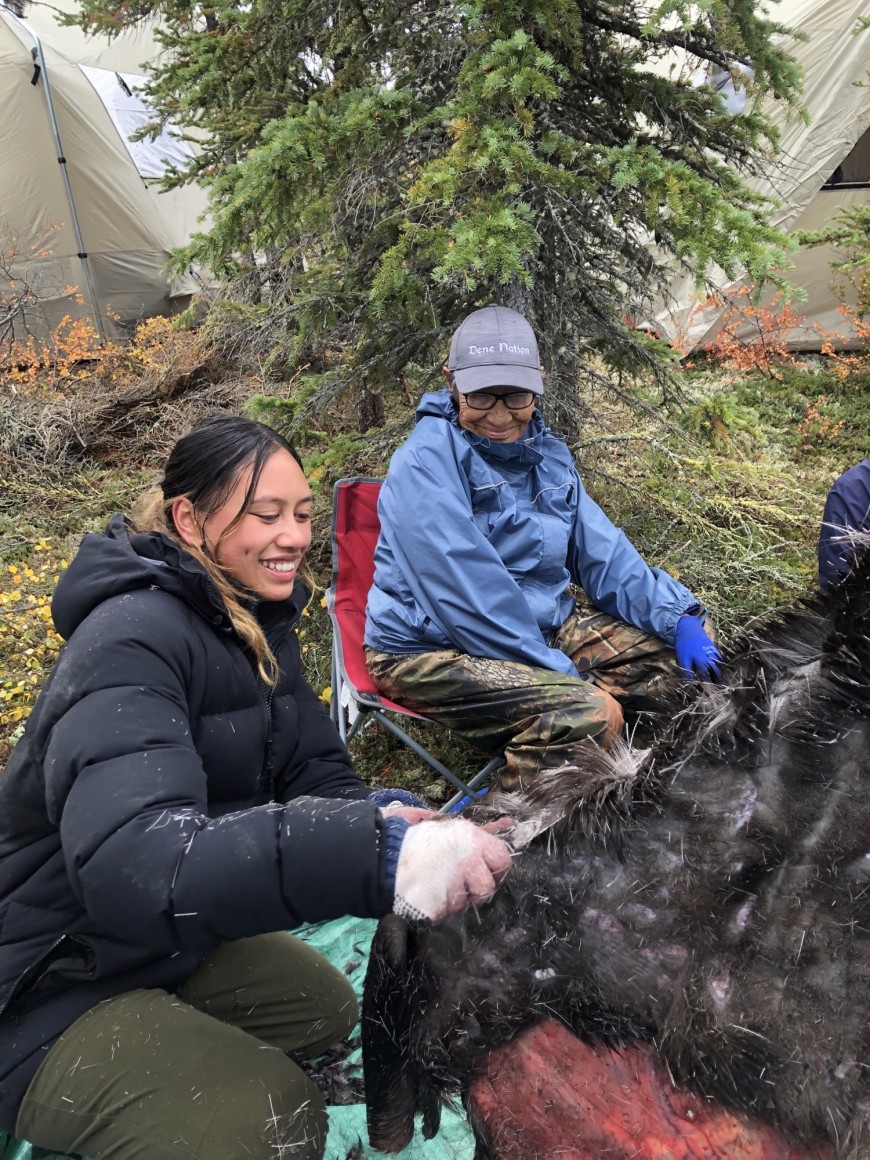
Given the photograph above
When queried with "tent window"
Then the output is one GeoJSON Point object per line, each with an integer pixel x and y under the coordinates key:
{"type": "Point", "coordinates": [124, 99]}
{"type": "Point", "coordinates": [854, 169]}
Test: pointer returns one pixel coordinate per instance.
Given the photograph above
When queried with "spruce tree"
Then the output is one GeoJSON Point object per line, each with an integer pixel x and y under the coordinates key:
{"type": "Point", "coordinates": [849, 232]}
{"type": "Point", "coordinates": [395, 164]}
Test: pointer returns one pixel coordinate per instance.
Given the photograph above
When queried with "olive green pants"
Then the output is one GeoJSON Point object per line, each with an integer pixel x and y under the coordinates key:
{"type": "Point", "coordinates": [206, 1073]}
{"type": "Point", "coordinates": [536, 717]}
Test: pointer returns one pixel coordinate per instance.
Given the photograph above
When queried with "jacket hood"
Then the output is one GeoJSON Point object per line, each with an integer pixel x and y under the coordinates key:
{"type": "Point", "coordinates": [121, 560]}
{"type": "Point", "coordinates": [440, 405]}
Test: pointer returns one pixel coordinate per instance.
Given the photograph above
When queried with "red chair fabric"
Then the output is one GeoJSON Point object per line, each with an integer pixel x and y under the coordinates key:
{"type": "Point", "coordinates": [355, 528]}
{"type": "Point", "coordinates": [355, 700]}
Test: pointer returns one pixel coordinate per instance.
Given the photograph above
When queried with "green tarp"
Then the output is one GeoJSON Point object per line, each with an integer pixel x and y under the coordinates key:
{"type": "Point", "coordinates": [345, 943]}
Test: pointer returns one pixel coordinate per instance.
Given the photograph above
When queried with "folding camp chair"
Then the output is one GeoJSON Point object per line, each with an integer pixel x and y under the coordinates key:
{"type": "Point", "coordinates": [355, 701]}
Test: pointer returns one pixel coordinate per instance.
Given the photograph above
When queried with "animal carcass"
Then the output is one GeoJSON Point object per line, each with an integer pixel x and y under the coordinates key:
{"type": "Point", "coordinates": [710, 898]}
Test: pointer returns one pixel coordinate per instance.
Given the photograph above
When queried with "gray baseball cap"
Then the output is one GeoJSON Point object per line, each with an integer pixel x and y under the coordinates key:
{"type": "Point", "coordinates": [495, 347]}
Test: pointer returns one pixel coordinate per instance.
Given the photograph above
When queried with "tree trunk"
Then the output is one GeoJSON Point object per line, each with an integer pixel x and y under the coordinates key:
{"type": "Point", "coordinates": [370, 409]}
{"type": "Point", "coordinates": [547, 1096]}
{"type": "Point", "coordinates": [516, 296]}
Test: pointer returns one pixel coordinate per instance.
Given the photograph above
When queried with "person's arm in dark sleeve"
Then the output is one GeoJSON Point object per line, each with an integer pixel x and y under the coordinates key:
{"type": "Point", "coordinates": [832, 552]}
{"type": "Point", "coordinates": [126, 787]}
{"type": "Point", "coordinates": [847, 508]}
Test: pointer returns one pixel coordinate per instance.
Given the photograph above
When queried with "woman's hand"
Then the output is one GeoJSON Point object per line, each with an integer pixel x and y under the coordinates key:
{"type": "Point", "coordinates": [445, 866]}
{"type": "Point", "coordinates": [401, 803]}
{"type": "Point", "coordinates": [696, 653]}
{"type": "Point", "coordinates": [412, 814]}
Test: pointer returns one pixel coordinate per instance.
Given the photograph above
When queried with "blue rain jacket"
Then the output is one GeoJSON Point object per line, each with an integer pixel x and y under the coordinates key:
{"type": "Point", "coordinates": [480, 541]}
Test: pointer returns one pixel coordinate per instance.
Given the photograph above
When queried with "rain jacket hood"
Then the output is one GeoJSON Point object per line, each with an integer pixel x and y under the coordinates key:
{"type": "Point", "coordinates": [121, 561]}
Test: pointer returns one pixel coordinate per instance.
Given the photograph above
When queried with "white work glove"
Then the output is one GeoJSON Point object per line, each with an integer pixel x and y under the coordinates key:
{"type": "Point", "coordinates": [411, 814]}
{"type": "Point", "coordinates": [445, 866]}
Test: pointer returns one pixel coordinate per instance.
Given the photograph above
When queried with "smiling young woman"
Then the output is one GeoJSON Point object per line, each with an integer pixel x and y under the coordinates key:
{"type": "Point", "coordinates": [235, 496]}
{"type": "Point", "coordinates": [178, 802]}
{"type": "Point", "coordinates": [261, 533]}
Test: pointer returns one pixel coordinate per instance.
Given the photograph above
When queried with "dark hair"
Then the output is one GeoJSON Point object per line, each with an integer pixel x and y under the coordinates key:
{"type": "Point", "coordinates": [204, 464]}
{"type": "Point", "coordinates": [203, 467]}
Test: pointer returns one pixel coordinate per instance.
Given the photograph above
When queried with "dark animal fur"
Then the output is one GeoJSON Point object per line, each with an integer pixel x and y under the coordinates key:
{"type": "Point", "coordinates": [714, 899]}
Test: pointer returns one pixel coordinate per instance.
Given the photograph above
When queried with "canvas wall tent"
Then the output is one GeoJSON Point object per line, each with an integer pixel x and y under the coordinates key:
{"type": "Point", "coordinates": [835, 144]}
{"type": "Point", "coordinates": [95, 227]}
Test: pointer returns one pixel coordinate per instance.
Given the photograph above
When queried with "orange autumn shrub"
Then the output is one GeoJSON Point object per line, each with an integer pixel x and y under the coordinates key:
{"type": "Point", "coordinates": [74, 352]}
{"type": "Point", "coordinates": [754, 339]}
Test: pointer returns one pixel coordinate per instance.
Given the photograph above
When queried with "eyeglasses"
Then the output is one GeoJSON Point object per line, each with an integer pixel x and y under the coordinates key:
{"type": "Point", "coordinates": [513, 400]}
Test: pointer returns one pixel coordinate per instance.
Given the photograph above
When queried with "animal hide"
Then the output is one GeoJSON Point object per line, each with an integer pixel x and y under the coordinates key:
{"type": "Point", "coordinates": [709, 897]}
{"type": "Point", "coordinates": [547, 1096]}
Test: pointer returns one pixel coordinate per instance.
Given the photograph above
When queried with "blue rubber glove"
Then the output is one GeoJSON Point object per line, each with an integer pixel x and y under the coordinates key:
{"type": "Point", "coordinates": [697, 656]}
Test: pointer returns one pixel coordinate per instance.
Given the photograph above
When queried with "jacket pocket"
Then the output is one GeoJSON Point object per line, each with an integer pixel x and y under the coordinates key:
{"type": "Point", "coordinates": [430, 633]}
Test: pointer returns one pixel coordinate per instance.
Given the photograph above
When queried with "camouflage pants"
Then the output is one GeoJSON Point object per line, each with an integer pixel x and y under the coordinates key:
{"type": "Point", "coordinates": [536, 717]}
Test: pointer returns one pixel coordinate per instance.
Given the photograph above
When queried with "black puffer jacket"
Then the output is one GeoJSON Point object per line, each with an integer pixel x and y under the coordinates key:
{"type": "Point", "coordinates": [162, 800]}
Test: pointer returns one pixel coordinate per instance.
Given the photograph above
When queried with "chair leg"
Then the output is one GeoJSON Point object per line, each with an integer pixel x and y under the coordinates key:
{"type": "Point", "coordinates": [341, 723]}
{"type": "Point", "coordinates": [422, 753]}
{"type": "Point", "coordinates": [474, 783]}
{"type": "Point", "coordinates": [362, 719]}
{"type": "Point", "coordinates": [333, 684]}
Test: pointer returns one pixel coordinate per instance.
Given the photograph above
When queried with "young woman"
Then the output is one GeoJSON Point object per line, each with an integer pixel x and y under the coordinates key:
{"type": "Point", "coordinates": [180, 800]}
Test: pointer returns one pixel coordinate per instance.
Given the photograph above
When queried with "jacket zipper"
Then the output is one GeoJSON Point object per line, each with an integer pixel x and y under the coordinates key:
{"type": "Point", "coordinates": [31, 973]}
{"type": "Point", "coordinates": [267, 776]}
{"type": "Point", "coordinates": [267, 773]}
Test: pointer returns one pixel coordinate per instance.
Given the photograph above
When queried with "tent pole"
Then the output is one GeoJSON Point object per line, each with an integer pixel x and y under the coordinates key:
{"type": "Point", "coordinates": [39, 59]}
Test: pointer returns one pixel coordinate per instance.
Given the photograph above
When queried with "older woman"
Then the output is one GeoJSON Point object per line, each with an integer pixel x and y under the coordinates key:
{"type": "Point", "coordinates": [484, 525]}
